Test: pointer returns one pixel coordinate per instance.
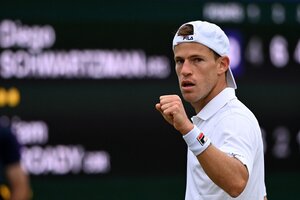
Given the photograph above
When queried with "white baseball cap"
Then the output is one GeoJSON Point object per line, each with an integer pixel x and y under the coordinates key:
{"type": "Point", "coordinates": [212, 36]}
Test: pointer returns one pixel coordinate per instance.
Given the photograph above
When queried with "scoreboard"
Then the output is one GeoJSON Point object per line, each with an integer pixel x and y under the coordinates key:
{"type": "Point", "coordinates": [79, 82]}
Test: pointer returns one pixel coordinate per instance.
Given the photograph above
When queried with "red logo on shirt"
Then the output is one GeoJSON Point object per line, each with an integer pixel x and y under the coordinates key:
{"type": "Point", "coordinates": [201, 138]}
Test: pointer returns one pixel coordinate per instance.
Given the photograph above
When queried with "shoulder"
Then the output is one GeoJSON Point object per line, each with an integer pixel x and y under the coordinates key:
{"type": "Point", "coordinates": [9, 146]}
{"type": "Point", "coordinates": [236, 119]}
{"type": "Point", "coordinates": [7, 137]}
{"type": "Point", "coordinates": [236, 112]}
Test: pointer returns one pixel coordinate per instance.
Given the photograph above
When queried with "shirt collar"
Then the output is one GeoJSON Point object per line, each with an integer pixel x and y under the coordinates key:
{"type": "Point", "coordinates": [215, 104]}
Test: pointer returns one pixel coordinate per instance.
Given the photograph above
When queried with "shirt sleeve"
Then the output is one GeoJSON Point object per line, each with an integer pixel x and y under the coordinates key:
{"type": "Point", "coordinates": [239, 139]}
{"type": "Point", "coordinates": [9, 147]}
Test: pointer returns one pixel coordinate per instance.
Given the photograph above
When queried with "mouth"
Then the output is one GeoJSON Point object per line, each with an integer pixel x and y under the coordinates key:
{"type": "Point", "coordinates": [187, 84]}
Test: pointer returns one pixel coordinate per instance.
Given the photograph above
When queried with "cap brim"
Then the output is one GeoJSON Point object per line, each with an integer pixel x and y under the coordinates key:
{"type": "Point", "coordinates": [230, 79]}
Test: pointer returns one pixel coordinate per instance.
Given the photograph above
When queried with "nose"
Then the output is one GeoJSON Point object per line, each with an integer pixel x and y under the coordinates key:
{"type": "Point", "coordinates": [186, 68]}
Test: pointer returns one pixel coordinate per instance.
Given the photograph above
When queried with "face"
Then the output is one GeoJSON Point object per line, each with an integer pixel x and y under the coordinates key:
{"type": "Point", "coordinates": [198, 72]}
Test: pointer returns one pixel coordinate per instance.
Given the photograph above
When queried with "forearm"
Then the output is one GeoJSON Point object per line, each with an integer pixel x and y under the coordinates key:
{"type": "Point", "coordinates": [225, 171]}
{"type": "Point", "coordinates": [21, 191]}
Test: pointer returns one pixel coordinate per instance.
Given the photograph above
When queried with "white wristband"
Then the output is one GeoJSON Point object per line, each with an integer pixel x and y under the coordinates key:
{"type": "Point", "coordinates": [196, 141]}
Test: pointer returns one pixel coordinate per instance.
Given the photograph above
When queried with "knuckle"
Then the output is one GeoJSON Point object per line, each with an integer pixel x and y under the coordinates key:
{"type": "Point", "coordinates": [178, 98]}
{"type": "Point", "coordinates": [176, 106]}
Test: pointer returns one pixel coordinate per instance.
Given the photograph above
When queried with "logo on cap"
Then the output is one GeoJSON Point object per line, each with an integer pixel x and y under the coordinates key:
{"type": "Point", "coordinates": [201, 138]}
{"type": "Point", "coordinates": [188, 37]}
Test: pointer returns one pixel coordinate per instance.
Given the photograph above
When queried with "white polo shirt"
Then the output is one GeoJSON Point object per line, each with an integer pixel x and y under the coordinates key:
{"type": "Point", "coordinates": [233, 129]}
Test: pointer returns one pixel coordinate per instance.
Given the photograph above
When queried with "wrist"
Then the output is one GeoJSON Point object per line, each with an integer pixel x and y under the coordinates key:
{"type": "Point", "coordinates": [186, 129]}
{"type": "Point", "coordinates": [196, 141]}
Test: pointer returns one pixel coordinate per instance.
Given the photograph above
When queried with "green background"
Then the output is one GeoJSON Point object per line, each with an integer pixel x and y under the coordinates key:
{"type": "Point", "coordinates": [148, 157]}
{"type": "Point", "coordinates": [280, 186]}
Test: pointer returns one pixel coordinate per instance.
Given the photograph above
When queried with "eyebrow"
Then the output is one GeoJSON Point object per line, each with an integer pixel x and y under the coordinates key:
{"type": "Point", "coordinates": [197, 56]}
{"type": "Point", "coordinates": [190, 57]}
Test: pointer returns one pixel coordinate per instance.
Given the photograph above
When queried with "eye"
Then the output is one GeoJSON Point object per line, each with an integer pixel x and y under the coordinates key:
{"type": "Point", "coordinates": [179, 61]}
{"type": "Point", "coordinates": [197, 60]}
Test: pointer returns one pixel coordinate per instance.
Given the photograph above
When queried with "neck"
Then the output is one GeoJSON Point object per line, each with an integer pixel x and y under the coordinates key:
{"type": "Point", "coordinates": [199, 105]}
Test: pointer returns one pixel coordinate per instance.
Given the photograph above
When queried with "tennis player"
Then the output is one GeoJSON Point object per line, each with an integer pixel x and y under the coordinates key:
{"type": "Point", "coordinates": [225, 158]}
{"type": "Point", "coordinates": [14, 182]}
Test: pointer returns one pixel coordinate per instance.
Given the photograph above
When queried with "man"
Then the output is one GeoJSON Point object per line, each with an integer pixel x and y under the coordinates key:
{"type": "Point", "coordinates": [14, 183]}
{"type": "Point", "coordinates": [225, 158]}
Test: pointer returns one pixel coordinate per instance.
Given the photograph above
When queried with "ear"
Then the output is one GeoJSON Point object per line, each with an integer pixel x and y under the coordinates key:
{"type": "Point", "coordinates": [223, 65]}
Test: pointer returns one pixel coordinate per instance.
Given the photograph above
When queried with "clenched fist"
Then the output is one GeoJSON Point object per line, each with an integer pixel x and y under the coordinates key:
{"type": "Point", "coordinates": [171, 108]}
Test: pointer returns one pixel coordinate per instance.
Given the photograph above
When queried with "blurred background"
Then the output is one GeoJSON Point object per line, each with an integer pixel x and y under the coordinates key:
{"type": "Point", "coordinates": [79, 81]}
